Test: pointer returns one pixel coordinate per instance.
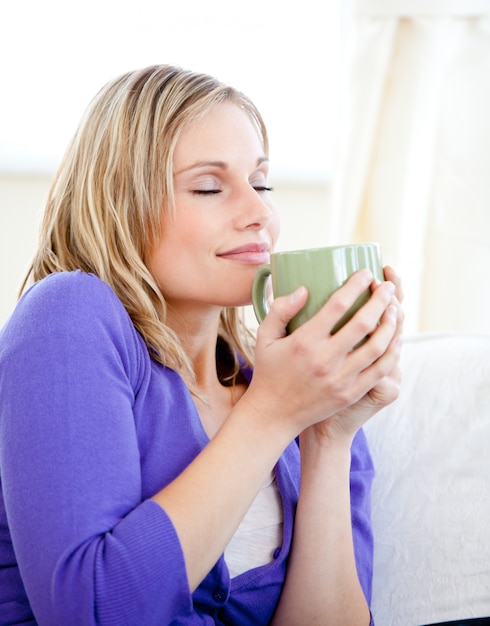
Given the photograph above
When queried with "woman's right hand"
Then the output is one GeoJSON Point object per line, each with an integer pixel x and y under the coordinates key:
{"type": "Point", "coordinates": [307, 376]}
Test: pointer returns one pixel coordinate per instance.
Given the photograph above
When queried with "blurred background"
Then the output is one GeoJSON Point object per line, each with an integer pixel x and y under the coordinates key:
{"type": "Point", "coordinates": [378, 114]}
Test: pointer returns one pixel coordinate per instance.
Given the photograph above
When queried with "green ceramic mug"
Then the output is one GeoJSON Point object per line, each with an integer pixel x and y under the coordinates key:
{"type": "Point", "coordinates": [322, 271]}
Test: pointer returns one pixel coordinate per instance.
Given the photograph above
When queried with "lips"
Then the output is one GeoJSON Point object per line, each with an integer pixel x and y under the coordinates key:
{"type": "Point", "coordinates": [250, 253]}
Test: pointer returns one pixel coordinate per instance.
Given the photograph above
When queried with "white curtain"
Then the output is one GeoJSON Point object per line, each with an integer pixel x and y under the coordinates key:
{"type": "Point", "coordinates": [412, 165]}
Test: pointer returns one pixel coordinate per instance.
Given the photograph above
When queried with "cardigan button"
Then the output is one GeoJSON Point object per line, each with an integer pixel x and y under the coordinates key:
{"type": "Point", "coordinates": [219, 596]}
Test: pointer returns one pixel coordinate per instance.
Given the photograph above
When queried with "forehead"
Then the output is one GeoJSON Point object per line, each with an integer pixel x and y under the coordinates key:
{"type": "Point", "coordinates": [222, 128]}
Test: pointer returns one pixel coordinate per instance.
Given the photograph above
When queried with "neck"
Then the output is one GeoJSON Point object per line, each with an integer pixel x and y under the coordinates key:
{"type": "Point", "coordinates": [198, 334]}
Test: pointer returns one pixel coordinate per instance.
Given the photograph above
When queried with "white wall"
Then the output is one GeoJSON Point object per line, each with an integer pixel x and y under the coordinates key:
{"type": "Point", "coordinates": [288, 62]}
{"type": "Point", "coordinates": [57, 58]}
{"type": "Point", "coordinates": [21, 201]}
{"type": "Point", "coordinates": [303, 207]}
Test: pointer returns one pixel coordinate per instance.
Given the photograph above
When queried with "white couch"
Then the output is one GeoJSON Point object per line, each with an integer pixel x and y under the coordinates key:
{"type": "Point", "coordinates": [431, 493]}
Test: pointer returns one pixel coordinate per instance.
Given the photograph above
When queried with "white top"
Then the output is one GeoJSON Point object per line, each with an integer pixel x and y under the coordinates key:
{"type": "Point", "coordinates": [260, 532]}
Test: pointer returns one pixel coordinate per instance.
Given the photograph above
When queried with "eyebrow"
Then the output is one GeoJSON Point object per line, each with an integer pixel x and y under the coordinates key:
{"type": "Point", "coordinates": [220, 164]}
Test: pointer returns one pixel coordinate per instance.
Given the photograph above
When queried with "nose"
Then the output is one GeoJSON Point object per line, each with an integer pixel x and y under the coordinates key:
{"type": "Point", "coordinates": [255, 211]}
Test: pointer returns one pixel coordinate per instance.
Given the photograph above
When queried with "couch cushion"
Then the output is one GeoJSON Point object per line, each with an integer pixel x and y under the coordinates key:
{"type": "Point", "coordinates": [431, 494]}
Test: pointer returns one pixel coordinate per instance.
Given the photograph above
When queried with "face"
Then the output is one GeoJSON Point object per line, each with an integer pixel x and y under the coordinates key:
{"type": "Point", "coordinates": [225, 223]}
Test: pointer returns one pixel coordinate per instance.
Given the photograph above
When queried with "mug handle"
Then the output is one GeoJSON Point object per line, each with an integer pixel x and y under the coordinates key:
{"type": "Point", "coordinates": [259, 300]}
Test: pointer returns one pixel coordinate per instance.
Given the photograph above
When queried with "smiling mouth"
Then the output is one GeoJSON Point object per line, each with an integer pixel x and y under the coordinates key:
{"type": "Point", "coordinates": [250, 254]}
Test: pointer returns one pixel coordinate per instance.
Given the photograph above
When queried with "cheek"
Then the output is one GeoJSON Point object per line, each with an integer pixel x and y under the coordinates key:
{"type": "Point", "coordinates": [190, 228]}
{"type": "Point", "coordinates": [179, 240]}
{"type": "Point", "coordinates": [181, 252]}
{"type": "Point", "coordinates": [274, 225]}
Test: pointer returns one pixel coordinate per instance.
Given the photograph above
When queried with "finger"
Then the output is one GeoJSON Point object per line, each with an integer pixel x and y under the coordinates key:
{"type": "Point", "coordinates": [400, 317]}
{"type": "Point", "coordinates": [387, 390]}
{"type": "Point", "coordinates": [379, 356]}
{"type": "Point", "coordinates": [390, 363]}
{"type": "Point", "coordinates": [378, 342]}
{"type": "Point", "coordinates": [400, 314]}
{"type": "Point", "coordinates": [321, 324]}
{"type": "Point", "coordinates": [365, 322]}
{"type": "Point", "coordinates": [391, 275]}
{"type": "Point", "coordinates": [282, 310]}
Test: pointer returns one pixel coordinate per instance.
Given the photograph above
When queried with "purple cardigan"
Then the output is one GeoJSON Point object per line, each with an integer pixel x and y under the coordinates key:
{"type": "Point", "coordinates": [90, 428]}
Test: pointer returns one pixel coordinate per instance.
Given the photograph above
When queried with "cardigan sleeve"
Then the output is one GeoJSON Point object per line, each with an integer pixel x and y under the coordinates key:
{"type": "Point", "coordinates": [89, 549]}
{"type": "Point", "coordinates": [361, 477]}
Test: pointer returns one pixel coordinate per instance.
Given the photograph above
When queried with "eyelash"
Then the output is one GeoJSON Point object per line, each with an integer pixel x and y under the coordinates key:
{"type": "Point", "coordinates": [205, 192]}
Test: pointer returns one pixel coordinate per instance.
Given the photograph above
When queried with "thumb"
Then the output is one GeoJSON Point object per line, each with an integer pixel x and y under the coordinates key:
{"type": "Point", "coordinates": [282, 310]}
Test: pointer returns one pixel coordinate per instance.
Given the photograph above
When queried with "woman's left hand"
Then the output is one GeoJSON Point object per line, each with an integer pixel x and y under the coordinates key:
{"type": "Point", "coordinates": [348, 421]}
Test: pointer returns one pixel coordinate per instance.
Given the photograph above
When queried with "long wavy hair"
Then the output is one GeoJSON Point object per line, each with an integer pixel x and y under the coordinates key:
{"type": "Point", "coordinates": [106, 203]}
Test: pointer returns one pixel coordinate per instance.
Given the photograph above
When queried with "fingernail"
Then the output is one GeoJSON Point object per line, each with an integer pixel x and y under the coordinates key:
{"type": "Point", "coordinates": [390, 287]}
{"type": "Point", "coordinates": [296, 294]}
{"type": "Point", "coordinates": [392, 312]}
{"type": "Point", "coordinates": [367, 274]}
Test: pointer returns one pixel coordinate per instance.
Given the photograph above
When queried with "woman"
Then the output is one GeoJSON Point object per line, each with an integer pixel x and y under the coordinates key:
{"type": "Point", "coordinates": [148, 477]}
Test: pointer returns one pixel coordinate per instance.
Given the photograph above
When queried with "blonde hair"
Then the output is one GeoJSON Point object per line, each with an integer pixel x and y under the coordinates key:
{"type": "Point", "coordinates": [105, 205]}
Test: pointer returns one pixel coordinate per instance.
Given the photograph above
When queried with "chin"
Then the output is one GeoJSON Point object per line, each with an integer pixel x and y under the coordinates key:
{"type": "Point", "coordinates": [238, 303]}
{"type": "Point", "coordinates": [238, 299]}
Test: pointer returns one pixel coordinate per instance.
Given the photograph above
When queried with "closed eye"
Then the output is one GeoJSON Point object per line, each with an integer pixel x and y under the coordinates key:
{"type": "Point", "coordinates": [263, 188]}
{"type": "Point", "coordinates": [206, 192]}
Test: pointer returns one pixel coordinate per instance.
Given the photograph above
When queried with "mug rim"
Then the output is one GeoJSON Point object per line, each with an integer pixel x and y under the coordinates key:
{"type": "Point", "coordinates": [365, 244]}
